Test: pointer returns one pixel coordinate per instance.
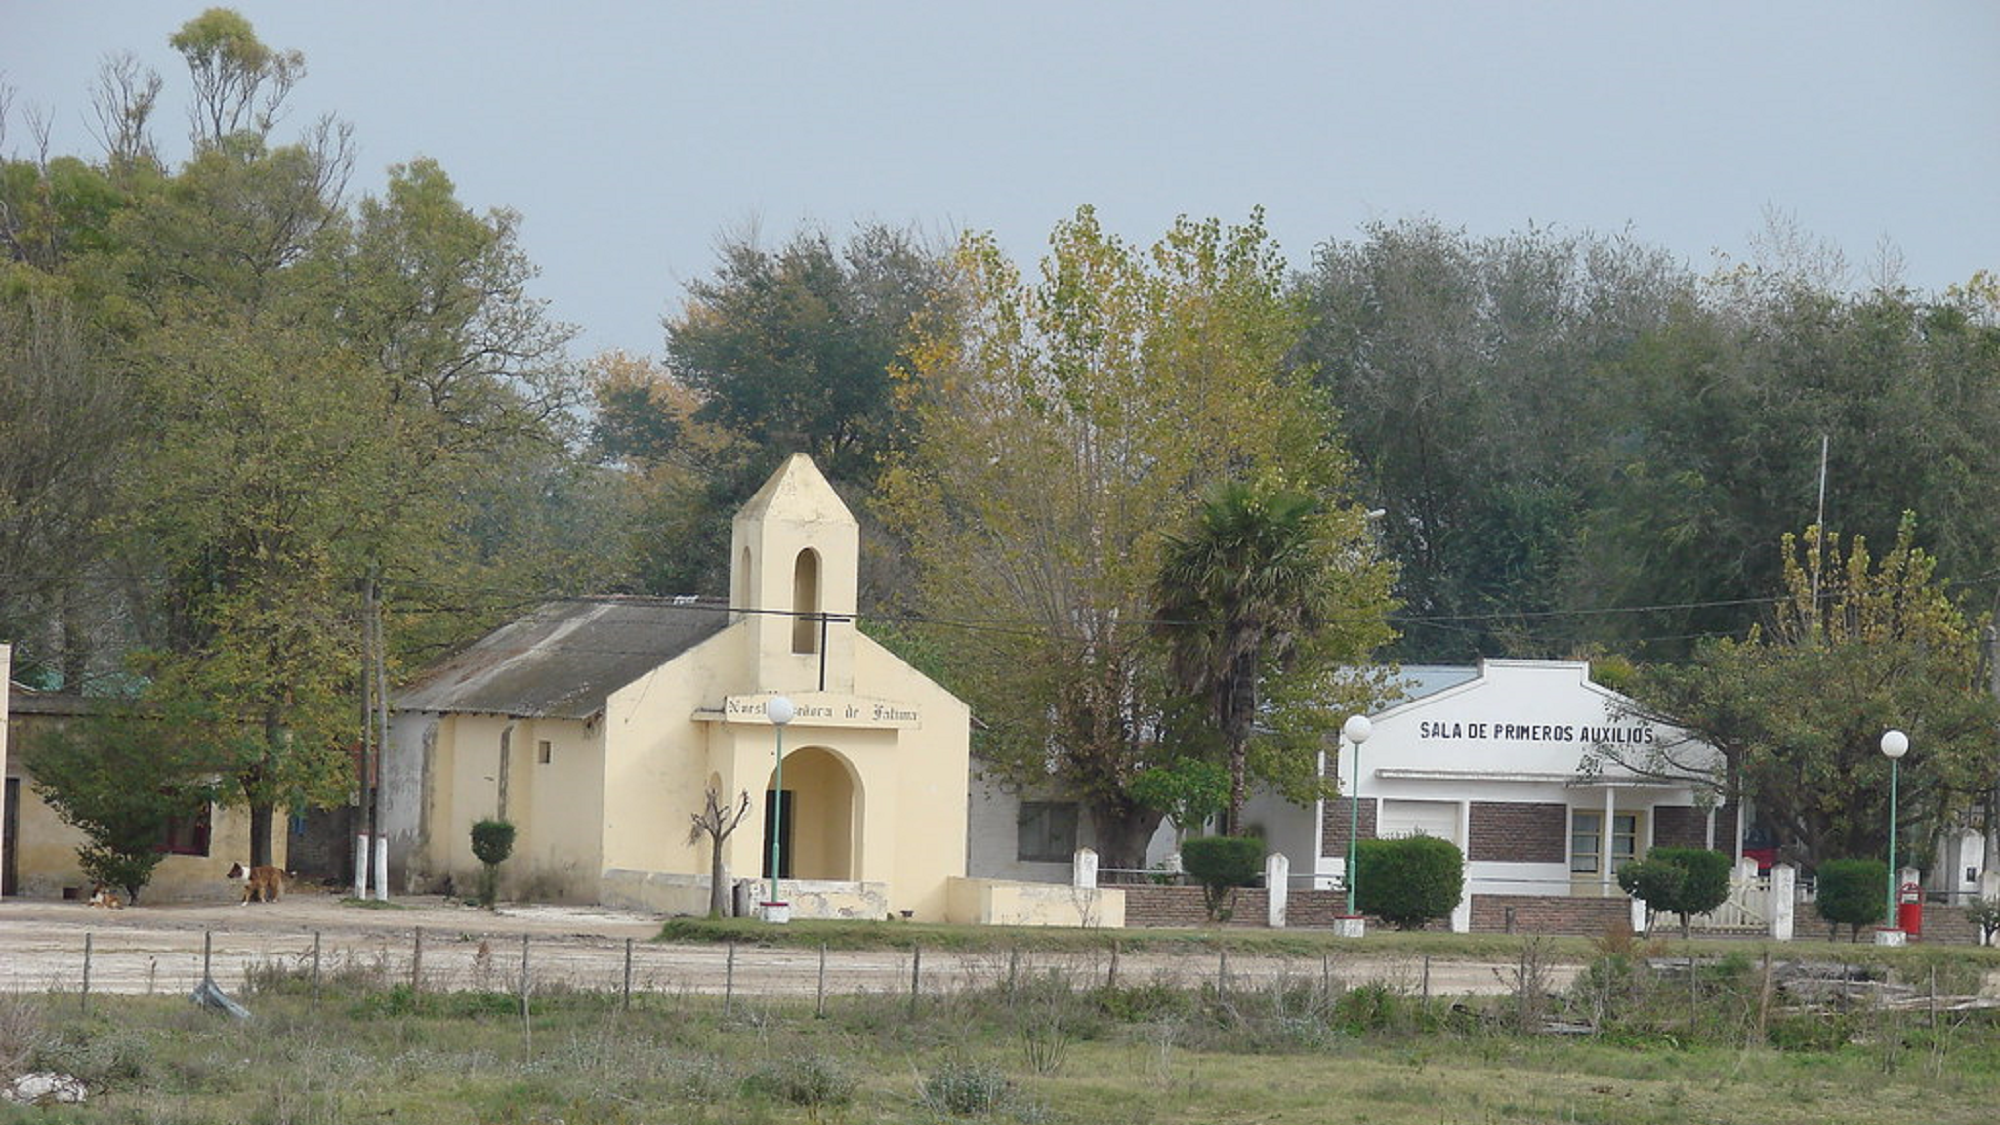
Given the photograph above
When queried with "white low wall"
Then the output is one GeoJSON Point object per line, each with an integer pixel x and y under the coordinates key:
{"type": "Point", "coordinates": [1001, 902]}
{"type": "Point", "coordinates": [655, 891]}
{"type": "Point", "coordinates": [664, 892]}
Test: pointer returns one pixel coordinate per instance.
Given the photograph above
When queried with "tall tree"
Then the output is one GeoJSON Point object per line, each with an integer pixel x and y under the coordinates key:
{"type": "Point", "coordinates": [1857, 647]}
{"type": "Point", "coordinates": [1064, 424]}
{"type": "Point", "coordinates": [240, 84]}
{"type": "Point", "coordinates": [323, 393]}
{"type": "Point", "coordinates": [1261, 586]}
{"type": "Point", "coordinates": [783, 350]}
{"type": "Point", "coordinates": [64, 429]}
{"type": "Point", "coordinates": [792, 347]}
{"type": "Point", "coordinates": [1467, 373]}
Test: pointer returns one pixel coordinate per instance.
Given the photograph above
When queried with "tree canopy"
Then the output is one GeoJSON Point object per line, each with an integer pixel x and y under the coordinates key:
{"type": "Point", "coordinates": [1858, 646]}
{"type": "Point", "coordinates": [1064, 425]}
{"type": "Point", "coordinates": [266, 393]}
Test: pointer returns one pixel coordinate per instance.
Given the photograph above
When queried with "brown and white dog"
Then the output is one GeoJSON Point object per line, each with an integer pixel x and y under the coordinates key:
{"type": "Point", "coordinates": [104, 896]}
{"type": "Point", "coordinates": [265, 884]}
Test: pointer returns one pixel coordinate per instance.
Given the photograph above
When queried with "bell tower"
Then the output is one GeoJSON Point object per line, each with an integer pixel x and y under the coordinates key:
{"type": "Point", "coordinates": [795, 557]}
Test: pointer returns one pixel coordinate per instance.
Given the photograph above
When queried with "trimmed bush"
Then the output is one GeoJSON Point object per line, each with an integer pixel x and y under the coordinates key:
{"type": "Point", "coordinates": [1410, 881]}
{"type": "Point", "coordinates": [1853, 891]}
{"type": "Point", "coordinates": [492, 843]}
{"type": "Point", "coordinates": [1683, 881]}
{"type": "Point", "coordinates": [1221, 864]}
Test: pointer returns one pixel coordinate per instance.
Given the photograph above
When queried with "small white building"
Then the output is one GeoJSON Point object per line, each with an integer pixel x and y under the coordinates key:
{"type": "Point", "coordinates": [1519, 763]}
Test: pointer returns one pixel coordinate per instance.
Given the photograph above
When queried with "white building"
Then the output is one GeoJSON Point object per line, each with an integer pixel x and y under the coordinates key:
{"type": "Point", "coordinates": [1515, 761]}
{"type": "Point", "coordinates": [1521, 763]}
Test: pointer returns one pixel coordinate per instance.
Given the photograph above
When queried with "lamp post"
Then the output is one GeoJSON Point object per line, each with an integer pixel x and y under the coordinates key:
{"type": "Point", "coordinates": [1356, 730]}
{"type": "Point", "coordinates": [1894, 745]}
{"type": "Point", "coordinates": [779, 710]}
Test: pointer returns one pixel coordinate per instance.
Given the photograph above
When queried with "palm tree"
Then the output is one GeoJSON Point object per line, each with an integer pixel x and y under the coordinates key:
{"type": "Point", "coordinates": [1236, 596]}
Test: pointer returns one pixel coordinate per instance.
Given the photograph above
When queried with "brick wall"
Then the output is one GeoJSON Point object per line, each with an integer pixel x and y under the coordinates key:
{"type": "Point", "coordinates": [1335, 821]}
{"type": "Point", "coordinates": [1681, 826]}
{"type": "Point", "coordinates": [1155, 905]}
{"type": "Point", "coordinates": [1549, 914]}
{"type": "Point", "coordinates": [1518, 832]}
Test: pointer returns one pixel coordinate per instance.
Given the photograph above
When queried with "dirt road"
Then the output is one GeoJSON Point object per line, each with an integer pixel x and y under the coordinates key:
{"type": "Point", "coordinates": [444, 945]}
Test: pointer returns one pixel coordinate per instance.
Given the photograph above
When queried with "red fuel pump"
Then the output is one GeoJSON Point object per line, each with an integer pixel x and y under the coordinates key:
{"type": "Point", "coordinates": [1910, 909]}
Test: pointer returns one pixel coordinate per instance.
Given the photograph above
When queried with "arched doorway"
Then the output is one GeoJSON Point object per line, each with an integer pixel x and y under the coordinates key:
{"type": "Point", "coordinates": [820, 819]}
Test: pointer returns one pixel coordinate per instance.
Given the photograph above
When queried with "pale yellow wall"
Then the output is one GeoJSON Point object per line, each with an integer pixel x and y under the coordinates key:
{"type": "Point", "coordinates": [658, 761]}
{"type": "Point", "coordinates": [665, 737]}
{"type": "Point", "coordinates": [46, 862]}
{"type": "Point", "coordinates": [555, 807]}
{"type": "Point", "coordinates": [998, 902]}
{"type": "Point", "coordinates": [796, 511]}
{"type": "Point", "coordinates": [558, 808]}
{"type": "Point", "coordinates": [823, 830]}
{"type": "Point", "coordinates": [48, 866]}
{"type": "Point", "coordinates": [930, 775]}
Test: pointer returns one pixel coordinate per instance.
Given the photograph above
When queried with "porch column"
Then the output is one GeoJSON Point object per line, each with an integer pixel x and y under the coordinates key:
{"type": "Point", "coordinates": [1604, 877]}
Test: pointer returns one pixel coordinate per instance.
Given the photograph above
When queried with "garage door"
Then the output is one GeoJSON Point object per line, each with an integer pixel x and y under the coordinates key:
{"type": "Point", "coordinates": [1429, 818]}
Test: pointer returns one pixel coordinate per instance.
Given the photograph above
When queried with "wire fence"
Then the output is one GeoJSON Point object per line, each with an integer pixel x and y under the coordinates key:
{"type": "Point", "coordinates": [427, 961]}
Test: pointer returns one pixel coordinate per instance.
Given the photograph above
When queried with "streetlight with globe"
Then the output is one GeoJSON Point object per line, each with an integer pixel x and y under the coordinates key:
{"type": "Point", "coordinates": [779, 710]}
{"type": "Point", "coordinates": [1356, 730]}
{"type": "Point", "coordinates": [1894, 745]}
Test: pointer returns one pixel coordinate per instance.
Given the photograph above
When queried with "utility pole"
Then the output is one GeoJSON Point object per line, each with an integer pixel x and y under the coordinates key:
{"type": "Point", "coordinates": [1989, 655]}
{"type": "Point", "coordinates": [365, 765]}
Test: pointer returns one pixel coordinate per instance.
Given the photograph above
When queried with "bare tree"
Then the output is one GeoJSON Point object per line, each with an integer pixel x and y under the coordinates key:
{"type": "Point", "coordinates": [124, 98]}
{"type": "Point", "coordinates": [716, 822]}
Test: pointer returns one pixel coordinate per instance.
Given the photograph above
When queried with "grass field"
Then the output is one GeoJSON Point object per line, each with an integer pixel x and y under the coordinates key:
{"type": "Point", "coordinates": [1636, 1044]}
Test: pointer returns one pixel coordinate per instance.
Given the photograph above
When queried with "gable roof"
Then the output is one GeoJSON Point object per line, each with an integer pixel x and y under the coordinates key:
{"type": "Point", "coordinates": [565, 658]}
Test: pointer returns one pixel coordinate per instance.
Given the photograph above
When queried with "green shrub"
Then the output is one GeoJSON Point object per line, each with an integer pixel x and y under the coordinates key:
{"type": "Point", "coordinates": [1683, 881]}
{"type": "Point", "coordinates": [492, 843]}
{"type": "Point", "coordinates": [965, 1089]}
{"type": "Point", "coordinates": [1221, 864]}
{"type": "Point", "coordinates": [1368, 1007]}
{"type": "Point", "coordinates": [809, 1080]}
{"type": "Point", "coordinates": [1409, 881]}
{"type": "Point", "coordinates": [1852, 891]}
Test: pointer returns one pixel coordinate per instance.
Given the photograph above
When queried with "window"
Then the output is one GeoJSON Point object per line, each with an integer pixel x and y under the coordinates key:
{"type": "Point", "coordinates": [545, 752]}
{"type": "Point", "coordinates": [1586, 835]}
{"type": "Point", "coordinates": [805, 602]}
{"type": "Point", "coordinates": [1586, 841]}
{"type": "Point", "coordinates": [1047, 832]}
{"type": "Point", "coordinates": [187, 835]}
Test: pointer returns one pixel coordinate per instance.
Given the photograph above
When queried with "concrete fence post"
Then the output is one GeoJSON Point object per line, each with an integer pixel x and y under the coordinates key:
{"type": "Point", "coordinates": [1083, 871]}
{"type": "Point", "coordinates": [1784, 901]}
{"type": "Point", "coordinates": [1277, 887]}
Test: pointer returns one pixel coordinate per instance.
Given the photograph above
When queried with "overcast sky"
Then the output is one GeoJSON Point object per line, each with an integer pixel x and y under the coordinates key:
{"type": "Point", "coordinates": [629, 135]}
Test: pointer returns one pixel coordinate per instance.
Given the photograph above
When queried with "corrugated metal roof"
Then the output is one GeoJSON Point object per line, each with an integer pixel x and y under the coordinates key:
{"type": "Point", "coordinates": [1420, 680]}
{"type": "Point", "coordinates": [564, 659]}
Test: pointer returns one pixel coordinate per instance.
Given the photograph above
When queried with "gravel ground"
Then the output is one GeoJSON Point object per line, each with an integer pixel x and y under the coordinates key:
{"type": "Point", "coordinates": [160, 949]}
